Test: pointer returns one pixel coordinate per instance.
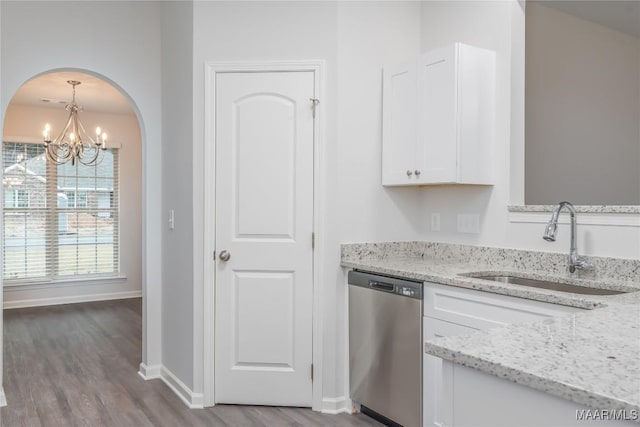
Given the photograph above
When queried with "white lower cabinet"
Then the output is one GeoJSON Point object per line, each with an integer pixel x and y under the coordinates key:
{"type": "Point", "coordinates": [433, 413]}
{"type": "Point", "coordinates": [474, 398]}
{"type": "Point", "coordinates": [450, 311]}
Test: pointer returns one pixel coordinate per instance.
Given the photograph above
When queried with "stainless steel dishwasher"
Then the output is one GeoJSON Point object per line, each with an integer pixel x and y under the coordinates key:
{"type": "Point", "coordinates": [385, 347]}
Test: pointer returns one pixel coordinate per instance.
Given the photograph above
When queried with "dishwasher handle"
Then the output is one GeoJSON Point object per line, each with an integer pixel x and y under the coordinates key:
{"type": "Point", "coordinates": [381, 286]}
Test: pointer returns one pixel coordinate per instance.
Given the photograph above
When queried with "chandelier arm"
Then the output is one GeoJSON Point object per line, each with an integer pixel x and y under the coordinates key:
{"type": "Point", "coordinates": [54, 158]}
{"type": "Point", "coordinates": [63, 134]}
{"type": "Point", "coordinates": [60, 150]}
{"type": "Point", "coordinates": [83, 130]}
{"type": "Point", "coordinates": [92, 146]}
{"type": "Point", "coordinates": [76, 134]}
{"type": "Point", "coordinates": [94, 160]}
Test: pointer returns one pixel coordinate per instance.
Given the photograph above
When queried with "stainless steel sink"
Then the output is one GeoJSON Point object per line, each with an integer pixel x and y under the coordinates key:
{"type": "Point", "coordinates": [544, 284]}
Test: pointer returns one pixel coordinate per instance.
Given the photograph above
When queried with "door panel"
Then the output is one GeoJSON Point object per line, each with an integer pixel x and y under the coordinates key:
{"type": "Point", "coordinates": [264, 186]}
{"type": "Point", "coordinates": [264, 219]}
{"type": "Point", "coordinates": [263, 333]}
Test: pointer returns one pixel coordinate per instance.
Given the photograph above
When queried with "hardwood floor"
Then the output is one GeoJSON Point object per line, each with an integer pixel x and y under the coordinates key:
{"type": "Point", "coordinates": [77, 364]}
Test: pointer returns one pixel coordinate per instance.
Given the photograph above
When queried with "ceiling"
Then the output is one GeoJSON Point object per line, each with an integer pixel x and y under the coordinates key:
{"type": "Point", "coordinates": [623, 16]}
{"type": "Point", "coordinates": [94, 94]}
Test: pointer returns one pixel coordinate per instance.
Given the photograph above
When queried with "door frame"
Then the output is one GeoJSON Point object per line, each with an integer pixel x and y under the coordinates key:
{"type": "Point", "coordinates": [212, 69]}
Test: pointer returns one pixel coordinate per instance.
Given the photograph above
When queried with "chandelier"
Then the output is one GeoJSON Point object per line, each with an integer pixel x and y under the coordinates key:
{"type": "Point", "coordinates": [74, 143]}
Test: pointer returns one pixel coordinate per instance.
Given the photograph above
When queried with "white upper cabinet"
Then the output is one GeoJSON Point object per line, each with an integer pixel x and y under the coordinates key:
{"type": "Point", "coordinates": [438, 118]}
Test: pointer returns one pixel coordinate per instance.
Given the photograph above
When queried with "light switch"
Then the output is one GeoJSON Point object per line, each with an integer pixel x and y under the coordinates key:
{"type": "Point", "coordinates": [171, 220]}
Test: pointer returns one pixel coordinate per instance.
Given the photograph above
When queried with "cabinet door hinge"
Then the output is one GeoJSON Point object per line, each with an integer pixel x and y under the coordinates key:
{"type": "Point", "coordinates": [312, 372]}
{"type": "Point", "coordinates": [313, 240]}
{"type": "Point", "coordinates": [214, 255]}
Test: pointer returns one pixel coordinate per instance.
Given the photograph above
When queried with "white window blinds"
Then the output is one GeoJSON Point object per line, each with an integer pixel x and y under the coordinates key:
{"type": "Point", "coordinates": [59, 221]}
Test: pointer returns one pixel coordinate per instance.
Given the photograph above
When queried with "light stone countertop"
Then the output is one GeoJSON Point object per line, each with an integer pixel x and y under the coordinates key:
{"type": "Point", "coordinates": [591, 357]}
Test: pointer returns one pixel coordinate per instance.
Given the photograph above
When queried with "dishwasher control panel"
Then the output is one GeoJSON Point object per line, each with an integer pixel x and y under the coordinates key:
{"type": "Point", "coordinates": [392, 285]}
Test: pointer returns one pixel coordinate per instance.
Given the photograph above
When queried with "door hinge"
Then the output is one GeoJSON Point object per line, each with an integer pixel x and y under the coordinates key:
{"type": "Point", "coordinates": [314, 106]}
{"type": "Point", "coordinates": [214, 255]}
{"type": "Point", "coordinates": [313, 240]}
{"type": "Point", "coordinates": [312, 372]}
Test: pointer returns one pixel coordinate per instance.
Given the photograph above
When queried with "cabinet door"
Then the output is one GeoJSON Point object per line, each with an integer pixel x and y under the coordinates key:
{"type": "Point", "coordinates": [399, 124]}
{"type": "Point", "coordinates": [433, 412]}
{"type": "Point", "coordinates": [476, 89]}
{"type": "Point", "coordinates": [436, 151]}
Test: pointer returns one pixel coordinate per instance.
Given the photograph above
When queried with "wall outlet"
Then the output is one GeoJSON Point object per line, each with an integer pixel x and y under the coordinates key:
{"type": "Point", "coordinates": [469, 223]}
{"type": "Point", "coordinates": [435, 222]}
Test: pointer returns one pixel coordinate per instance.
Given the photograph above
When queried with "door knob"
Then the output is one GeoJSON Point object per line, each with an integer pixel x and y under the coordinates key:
{"type": "Point", "coordinates": [409, 173]}
{"type": "Point", "coordinates": [417, 172]}
{"type": "Point", "coordinates": [225, 256]}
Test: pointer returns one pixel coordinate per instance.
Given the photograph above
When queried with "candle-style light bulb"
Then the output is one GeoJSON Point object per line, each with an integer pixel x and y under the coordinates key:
{"type": "Point", "coordinates": [98, 131]}
{"type": "Point", "coordinates": [72, 137]}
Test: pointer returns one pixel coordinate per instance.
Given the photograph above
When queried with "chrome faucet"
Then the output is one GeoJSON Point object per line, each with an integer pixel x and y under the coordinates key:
{"type": "Point", "coordinates": [575, 260]}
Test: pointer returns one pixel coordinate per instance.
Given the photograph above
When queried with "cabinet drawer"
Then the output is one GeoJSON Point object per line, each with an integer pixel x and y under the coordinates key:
{"type": "Point", "coordinates": [482, 310]}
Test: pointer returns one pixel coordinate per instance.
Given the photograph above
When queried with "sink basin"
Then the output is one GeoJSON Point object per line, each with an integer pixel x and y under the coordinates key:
{"type": "Point", "coordinates": [554, 286]}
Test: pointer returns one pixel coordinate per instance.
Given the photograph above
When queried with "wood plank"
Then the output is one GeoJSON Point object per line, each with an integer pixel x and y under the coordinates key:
{"type": "Point", "coordinates": [76, 365]}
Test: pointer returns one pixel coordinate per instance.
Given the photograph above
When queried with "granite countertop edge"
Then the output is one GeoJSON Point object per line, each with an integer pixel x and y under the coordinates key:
{"type": "Point", "coordinates": [447, 273]}
{"type": "Point", "coordinates": [559, 389]}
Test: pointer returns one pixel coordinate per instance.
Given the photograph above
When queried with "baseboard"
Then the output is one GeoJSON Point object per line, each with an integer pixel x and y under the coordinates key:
{"type": "Point", "coordinates": [336, 405]}
{"type": "Point", "coordinates": [191, 399]}
{"type": "Point", "coordinates": [3, 398]}
{"type": "Point", "coordinates": [149, 372]}
{"type": "Point", "coordinates": [72, 299]}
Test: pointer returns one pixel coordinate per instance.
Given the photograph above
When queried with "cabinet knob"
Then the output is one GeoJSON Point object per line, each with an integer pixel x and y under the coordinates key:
{"type": "Point", "coordinates": [417, 172]}
{"type": "Point", "coordinates": [409, 173]}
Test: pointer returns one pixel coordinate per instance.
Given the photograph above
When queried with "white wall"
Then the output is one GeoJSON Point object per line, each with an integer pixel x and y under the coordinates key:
{"type": "Point", "coordinates": [119, 41]}
{"type": "Point", "coordinates": [178, 303]}
{"type": "Point", "coordinates": [500, 26]}
{"type": "Point", "coordinates": [582, 109]}
{"type": "Point", "coordinates": [24, 123]}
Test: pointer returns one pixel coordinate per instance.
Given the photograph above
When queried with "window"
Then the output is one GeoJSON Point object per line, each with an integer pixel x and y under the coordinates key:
{"type": "Point", "coordinates": [76, 199]}
{"type": "Point", "coordinates": [59, 221]}
{"type": "Point", "coordinates": [16, 198]}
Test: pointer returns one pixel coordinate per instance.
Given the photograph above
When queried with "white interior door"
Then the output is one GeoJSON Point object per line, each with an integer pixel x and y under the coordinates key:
{"type": "Point", "coordinates": [264, 221]}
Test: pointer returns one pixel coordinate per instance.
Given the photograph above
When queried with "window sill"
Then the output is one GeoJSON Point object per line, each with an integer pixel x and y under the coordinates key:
{"type": "Point", "coordinates": [23, 284]}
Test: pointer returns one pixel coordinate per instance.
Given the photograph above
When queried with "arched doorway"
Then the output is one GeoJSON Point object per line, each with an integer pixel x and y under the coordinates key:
{"type": "Point", "coordinates": [89, 246]}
